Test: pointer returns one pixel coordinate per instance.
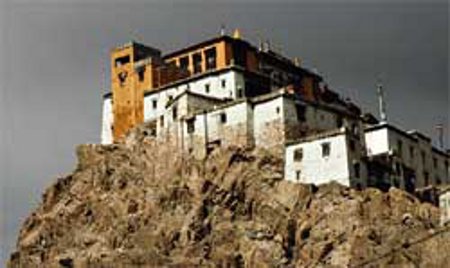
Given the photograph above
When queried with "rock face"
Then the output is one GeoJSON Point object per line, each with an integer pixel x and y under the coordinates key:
{"type": "Point", "coordinates": [140, 204]}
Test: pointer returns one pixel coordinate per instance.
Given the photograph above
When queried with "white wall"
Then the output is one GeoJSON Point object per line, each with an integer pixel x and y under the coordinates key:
{"type": "Point", "coordinates": [377, 142]}
{"type": "Point", "coordinates": [232, 79]}
{"type": "Point", "coordinates": [265, 115]}
{"type": "Point", "coordinates": [314, 168]}
{"type": "Point", "coordinates": [107, 122]}
{"type": "Point", "coordinates": [384, 140]}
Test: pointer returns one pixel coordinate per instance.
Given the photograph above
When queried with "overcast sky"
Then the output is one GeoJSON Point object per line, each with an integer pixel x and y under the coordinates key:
{"type": "Point", "coordinates": [55, 59]}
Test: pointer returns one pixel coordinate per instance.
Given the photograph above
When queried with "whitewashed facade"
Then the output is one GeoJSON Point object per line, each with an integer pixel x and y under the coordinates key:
{"type": "Point", "coordinates": [444, 207]}
{"type": "Point", "coordinates": [330, 156]}
{"type": "Point", "coordinates": [413, 161]}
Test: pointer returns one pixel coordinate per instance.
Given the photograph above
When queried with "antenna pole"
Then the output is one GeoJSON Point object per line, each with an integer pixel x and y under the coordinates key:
{"type": "Point", "coordinates": [440, 130]}
{"type": "Point", "coordinates": [381, 102]}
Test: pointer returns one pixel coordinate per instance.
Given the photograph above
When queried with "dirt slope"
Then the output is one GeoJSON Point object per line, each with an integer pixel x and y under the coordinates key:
{"type": "Point", "coordinates": [138, 204]}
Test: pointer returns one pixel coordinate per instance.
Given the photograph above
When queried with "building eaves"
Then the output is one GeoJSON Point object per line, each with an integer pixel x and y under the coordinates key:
{"type": "Point", "coordinates": [318, 136]}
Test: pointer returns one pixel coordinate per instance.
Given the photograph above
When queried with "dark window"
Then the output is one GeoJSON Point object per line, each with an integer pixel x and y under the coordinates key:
{"type": "Point", "coordinates": [357, 169]}
{"type": "Point", "coordinates": [352, 145]}
{"type": "Point", "coordinates": [174, 113]}
{"type": "Point", "coordinates": [301, 112]}
{"type": "Point", "coordinates": [207, 88]}
{"type": "Point", "coordinates": [141, 73]}
{"type": "Point", "coordinates": [298, 155]}
{"type": "Point", "coordinates": [435, 163]}
{"type": "Point", "coordinates": [400, 148]}
{"type": "Point", "coordinates": [154, 104]}
{"type": "Point", "coordinates": [161, 121]}
{"type": "Point", "coordinates": [297, 175]}
{"type": "Point", "coordinates": [210, 55]}
{"type": "Point", "coordinates": [438, 181]}
{"type": "Point", "coordinates": [122, 60]}
{"type": "Point", "coordinates": [223, 118]}
{"type": "Point", "coordinates": [424, 158]}
{"type": "Point", "coordinates": [197, 61]}
{"type": "Point", "coordinates": [223, 83]}
{"type": "Point", "coordinates": [278, 110]}
{"type": "Point", "coordinates": [326, 149]}
{"type": "Point", "coordinates": [184, 63]}
{"type": "Point", "coordinates": [426, 177]}
{"type": "Point", "coordinates": [339, 121]}
{"type": "Point", "coordinates": [411, 152]}
{"type": "Point", "coordinates": [190, 125]}
{"type": "Point", "coordinates": [240, 93]}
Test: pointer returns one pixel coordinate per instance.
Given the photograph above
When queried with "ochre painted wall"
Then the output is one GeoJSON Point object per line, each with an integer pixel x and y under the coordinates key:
{"type": "Point", "coordinates": [128, 99]}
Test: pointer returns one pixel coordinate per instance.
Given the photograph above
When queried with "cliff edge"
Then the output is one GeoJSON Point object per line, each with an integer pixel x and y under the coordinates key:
{"type": "Point", "coordinates": [138, 204]}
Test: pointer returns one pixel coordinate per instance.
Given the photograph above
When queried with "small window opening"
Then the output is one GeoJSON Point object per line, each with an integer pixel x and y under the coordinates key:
{"type": "Point", "coordinates": [297, 175]}
{"type": "Point", "coordinates": [326, 149]}
{"type": "Point", "coordinates": [197, 61]}
{"type": "Point", "coordinates": [298, 155]}
{"type": "Point", "coordinates": [357, 170]}
{"type": "Point", "coordinates": [223, 83]}
{"type": "Point", "coordinates": [210, 55]}
{"type": "Point", "coordinates": [141, 74]}
{"type": "Point", "coordinates": [154, 104]}
{"type": "Point", "coordinates": [301, 113]}
{"type": "Point", "coordinates": [190, 126]}
{"type": "Point", "coordinates": [240, 93]}
{"type": "Point", "coordinates": [174, 113]}
{"type": "Point", "coordinates": [122, 60]}
{"type": "Point", "coordinates": [223, 118]}
{"type": "Point", "coordinates": [207, 86]}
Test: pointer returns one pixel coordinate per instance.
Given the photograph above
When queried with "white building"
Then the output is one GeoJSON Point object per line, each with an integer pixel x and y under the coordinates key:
{"type": "Point", "coordinates": [404, 159]}
{"type": "Point", "coordinates": [336, 155]}
{"type": "Point", "coordinates": [444, 206]}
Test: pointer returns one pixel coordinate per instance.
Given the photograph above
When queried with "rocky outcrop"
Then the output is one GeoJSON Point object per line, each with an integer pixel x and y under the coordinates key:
{"type": "Point", "coordinates": [142, 204]}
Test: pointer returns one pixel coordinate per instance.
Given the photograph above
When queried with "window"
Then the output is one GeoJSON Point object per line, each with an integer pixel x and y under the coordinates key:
{"type": "Point", "coordinates": [326, 149]}
{"type": "Point", "coordinates": [297, 175]}
{"type": "Point", "coordinates": [278, 110]}
{"type": "Point", "coordinates": [174, 113]}
{"type": "Point", "coordinates": [400, 147]}
{"type": "Point", "coordinates": [352, 145]}
{"type": "Point", "coordinates": [339, 121]}
{"type": "Point", "coordinates": [424, 158]}
{"type": "Point", "coordinates": [426, 177]}
{"type": "Point", "coordinates": [223, 83]}
{"type": "Point", "coordinates": [141, 73]}
{"type": "Point", "coordinates": [122, 60]}
{"type": "Point", "coordinates": [298, 155]}
{"type": "Point", "coordinates": [161, 121]}
{"type": "Point", "coordinates": [190, 125]}
{"type": "Point", "coordinates": [357, 170]}
{"type": "Point", "coordinates": [210, 55]}
{"type": "Point", "coordinates": [435, 163]}
{"type": "Point", "coordinates": [154, 104]}
{"type": "Point", "coordinates": [223, 118]}
{"type": "Point", "coordinates": [411, 152]}
{"type": "Point", "coordinates": [301, 111]}
{"type": "Point", "coordinates": [197, 61]}
{"type": "Point", "coordinates": [207, 88]}
{"type": "Point", "coordinates": [438, 180]}
{"type": "Point", "coordinates": [240, 93]}
{"type": "Point", "coordinates": [184, 63]}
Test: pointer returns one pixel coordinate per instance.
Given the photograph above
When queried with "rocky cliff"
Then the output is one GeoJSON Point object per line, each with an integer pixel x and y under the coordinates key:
{"type": "Point", "coordinates": [138, 204]}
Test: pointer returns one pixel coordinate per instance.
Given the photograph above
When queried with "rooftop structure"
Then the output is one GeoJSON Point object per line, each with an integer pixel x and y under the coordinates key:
{"type": "Point", "coordinates": [225, 91]}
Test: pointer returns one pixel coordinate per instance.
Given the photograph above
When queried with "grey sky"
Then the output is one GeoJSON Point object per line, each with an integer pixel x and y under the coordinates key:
{"type": "Point", "coordinates": [54, 54]}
